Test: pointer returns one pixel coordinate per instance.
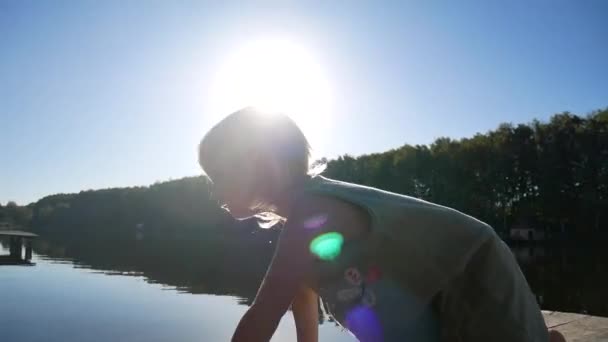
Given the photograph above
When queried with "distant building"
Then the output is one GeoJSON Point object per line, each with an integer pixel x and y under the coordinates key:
{"type": "Point", "coordinates": [526, 233]}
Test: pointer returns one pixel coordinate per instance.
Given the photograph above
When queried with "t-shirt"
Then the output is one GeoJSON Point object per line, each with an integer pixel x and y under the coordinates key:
{"type": "Point", "coordinates": [424, 272]}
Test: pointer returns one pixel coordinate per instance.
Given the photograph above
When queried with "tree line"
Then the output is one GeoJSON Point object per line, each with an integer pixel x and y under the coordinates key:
{"type": "Point", "coordinates": [548, 175]}
{"type": "Point", "coordinates": [164, 207]}
{"type": "Point", "coordinates": [12, 214]}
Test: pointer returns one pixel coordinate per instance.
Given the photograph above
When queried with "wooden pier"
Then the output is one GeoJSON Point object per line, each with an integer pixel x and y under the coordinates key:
{"type": "Point", "coordinates": [17, 240]}
{"type": "Point", "coordinates": [578, 327]}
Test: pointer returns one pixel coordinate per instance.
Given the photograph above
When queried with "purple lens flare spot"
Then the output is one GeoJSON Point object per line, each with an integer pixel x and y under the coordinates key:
{"type": "Point", "coordinates": [316, 221]}
{"type": "Point", "coordinates": [364, 323]}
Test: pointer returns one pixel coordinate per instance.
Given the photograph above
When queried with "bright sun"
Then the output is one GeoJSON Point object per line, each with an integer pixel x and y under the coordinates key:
{"type": "Point", "coordinates": [277, 75]}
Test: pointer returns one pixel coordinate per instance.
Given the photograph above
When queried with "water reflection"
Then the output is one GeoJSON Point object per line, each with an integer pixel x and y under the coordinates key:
{"type": "Point", "coordinates": [99, 292]}
{"type": "Point", "coordinates": [54, 302]}
{"type": "Point", "coordinates": [563, 277]}
{"type": "Point", "coordinates": [190, 263]}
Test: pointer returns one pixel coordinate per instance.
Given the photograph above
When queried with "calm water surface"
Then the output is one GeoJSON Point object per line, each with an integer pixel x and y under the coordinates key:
{"type": "Point", "coordinates": [189, 288]}
{"type": "Point", "coordinates": [57, 300]}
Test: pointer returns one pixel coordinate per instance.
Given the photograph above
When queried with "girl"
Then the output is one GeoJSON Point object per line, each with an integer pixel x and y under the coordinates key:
{"type": "Point", "coordinates": [388, 267]}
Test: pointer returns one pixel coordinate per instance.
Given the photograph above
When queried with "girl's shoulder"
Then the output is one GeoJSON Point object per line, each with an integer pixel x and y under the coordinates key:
{"type": "Point", "coordinates": [322, 213]}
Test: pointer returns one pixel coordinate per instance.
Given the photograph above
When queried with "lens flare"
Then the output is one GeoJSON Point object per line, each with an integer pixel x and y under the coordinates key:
{"type": "Point", "coordinates": [327, 246]}
{"type": "Point", "coordinates": [363, 322]}
{"type": "Point", "coordinates": [316, 221]}
{"type": "Point", "coordinates": [277, 75]}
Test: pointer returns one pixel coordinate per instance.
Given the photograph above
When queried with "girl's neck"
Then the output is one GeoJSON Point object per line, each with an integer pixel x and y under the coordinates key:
{"type": "Point", "coordinates": [285, 200]}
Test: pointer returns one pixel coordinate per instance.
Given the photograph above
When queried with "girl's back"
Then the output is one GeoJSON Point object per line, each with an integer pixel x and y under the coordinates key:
{"type": "Point", "coordinates": [422, 272]}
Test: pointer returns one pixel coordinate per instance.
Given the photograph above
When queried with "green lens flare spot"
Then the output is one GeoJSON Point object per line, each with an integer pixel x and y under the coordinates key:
{"type": "Point", "coordinates": [327, 246]}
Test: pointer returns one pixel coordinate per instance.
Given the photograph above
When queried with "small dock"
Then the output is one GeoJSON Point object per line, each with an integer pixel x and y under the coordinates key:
{"type": "Point", "coordinates": [17, 240]}
{"type": "Point", "coordinates": [578, 327]}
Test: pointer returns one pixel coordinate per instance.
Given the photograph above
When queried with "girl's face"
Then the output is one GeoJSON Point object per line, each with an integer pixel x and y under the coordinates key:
{"type": "Point", "coordinates": [235, 187]}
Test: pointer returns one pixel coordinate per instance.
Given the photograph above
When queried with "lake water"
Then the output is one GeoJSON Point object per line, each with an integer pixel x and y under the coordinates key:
{"type": "Point", "coordinates": [58, 300]}
{"type": "Point", "coordinates": [174, 290]}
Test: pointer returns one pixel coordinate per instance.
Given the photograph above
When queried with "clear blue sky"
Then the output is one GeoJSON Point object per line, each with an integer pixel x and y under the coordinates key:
{"type": "Point", "coordinates": [98, 94]}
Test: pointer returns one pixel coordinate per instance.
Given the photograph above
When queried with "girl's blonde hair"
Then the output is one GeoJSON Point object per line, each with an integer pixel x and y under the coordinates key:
{"type": "Point", "coordinates": [251, 130]}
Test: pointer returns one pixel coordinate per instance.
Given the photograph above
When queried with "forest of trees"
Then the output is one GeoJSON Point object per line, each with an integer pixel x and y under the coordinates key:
{"type": "Point", "coordinates": [177, 205]}
{"type": "Point", "coordinates": [14, 214]}
{"type": "Point", "coordinates": [550, 175]}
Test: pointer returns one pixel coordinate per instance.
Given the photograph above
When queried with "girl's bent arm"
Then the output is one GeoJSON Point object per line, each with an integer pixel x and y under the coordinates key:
{"type": "Point", "coordinates": [288, 270]}
{"type": "Point", "coordinates": [305, 308]}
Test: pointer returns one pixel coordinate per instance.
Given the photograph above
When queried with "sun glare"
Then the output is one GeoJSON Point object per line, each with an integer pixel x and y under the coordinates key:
{"type": "Point", "coordinates": [276, 75]}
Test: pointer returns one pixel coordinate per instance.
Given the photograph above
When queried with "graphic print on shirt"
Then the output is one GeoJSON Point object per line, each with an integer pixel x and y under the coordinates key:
{"type": "Point", "coordinates": [358, 292]}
